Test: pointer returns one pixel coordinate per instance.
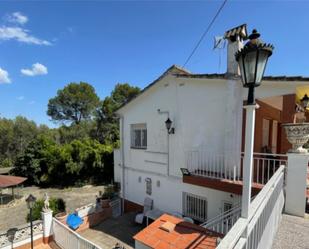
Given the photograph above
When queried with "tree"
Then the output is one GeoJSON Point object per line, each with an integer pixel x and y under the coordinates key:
{"type": "Point", "coordinates": [107, 124]}
{"type": "Point", "coordinates": [73, 103]}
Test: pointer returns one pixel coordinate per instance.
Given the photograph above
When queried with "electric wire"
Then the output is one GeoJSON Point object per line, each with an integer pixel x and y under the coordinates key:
{"type": "Point", "coordinates": [205, 33]}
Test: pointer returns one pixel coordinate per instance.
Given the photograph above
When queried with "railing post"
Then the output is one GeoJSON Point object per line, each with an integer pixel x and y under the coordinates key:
{"type": "Point", "coordinates": [248, 160]}
{"type": "Point", "coordinates": [47, 217]}
{"type": "Point", "coordinates": [296, 178]}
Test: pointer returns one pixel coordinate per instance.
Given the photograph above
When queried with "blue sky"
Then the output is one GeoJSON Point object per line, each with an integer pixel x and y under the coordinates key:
{"type": "Point", "coordinates": [105, 42]}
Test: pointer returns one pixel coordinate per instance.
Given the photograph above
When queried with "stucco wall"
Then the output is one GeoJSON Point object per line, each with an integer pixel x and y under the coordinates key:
{"type": "Point", "coordinates": [197, 109]}
{"type": "Point", "coordinates": [168, 196]}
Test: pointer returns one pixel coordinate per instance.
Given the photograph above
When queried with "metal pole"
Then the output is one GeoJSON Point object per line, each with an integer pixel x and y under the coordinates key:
{"type": "Point", "coordinates": [31, 232]}
{"type": "Point", "coordinates": [248, 160]}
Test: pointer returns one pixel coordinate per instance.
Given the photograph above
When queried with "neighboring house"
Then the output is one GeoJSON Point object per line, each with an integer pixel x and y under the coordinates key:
{"type": "Point", "coordinates": [207, 117]}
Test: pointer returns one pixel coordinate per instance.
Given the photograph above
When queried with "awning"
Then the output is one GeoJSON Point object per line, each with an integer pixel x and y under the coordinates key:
{"type": "Point", "coordinates": [10, 181]}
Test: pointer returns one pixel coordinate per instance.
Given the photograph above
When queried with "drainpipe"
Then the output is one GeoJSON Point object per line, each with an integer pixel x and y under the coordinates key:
{"type": "Point", "coordinates": [121, 121]}
{"type": "Point", "coordinates": [168, 143]}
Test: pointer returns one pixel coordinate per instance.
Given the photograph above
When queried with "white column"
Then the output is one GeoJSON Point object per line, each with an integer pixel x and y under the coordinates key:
{"type": "Point", "coordinates": [296, 180]}
{"type": "Point", "coordinates": [248, 159]}
{"type": "Point", "coordinates": [47, 217]}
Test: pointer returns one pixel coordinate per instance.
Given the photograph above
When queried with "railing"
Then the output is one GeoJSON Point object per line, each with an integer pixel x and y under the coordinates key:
{"type": "Point", "coordinates": [22, 234]}
{"type": "Point", "coordinates": [265, 165]}
{"type": "Point", "coordinates": [224, 222]}
{"type": "Point", "coordinates": [259, 229]}
{"type": "Point", "coordinates": [68, 239]}
{"type": "Point", "coordinates": [205, 164]}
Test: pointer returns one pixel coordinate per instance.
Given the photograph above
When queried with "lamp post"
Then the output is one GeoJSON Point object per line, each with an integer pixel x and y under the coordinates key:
{"type": "Point", "coordinates": [11, 235]}
{"type": "Point", "coordinates": [30, 203]}
{"type": "Point", "coordinates": [305, 102]}
{"type": "Point", "coordinates": [252, 60]}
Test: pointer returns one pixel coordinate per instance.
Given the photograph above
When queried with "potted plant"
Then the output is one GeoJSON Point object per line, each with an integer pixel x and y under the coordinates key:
{"type": "Point", "coordinates": [298, 132]}
{"type": "Point", "coordinates": [107, 195]}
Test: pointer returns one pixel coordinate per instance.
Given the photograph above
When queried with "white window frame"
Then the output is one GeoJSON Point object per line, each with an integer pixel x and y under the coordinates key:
{"type": "Point", "coordinates": [142, 128]}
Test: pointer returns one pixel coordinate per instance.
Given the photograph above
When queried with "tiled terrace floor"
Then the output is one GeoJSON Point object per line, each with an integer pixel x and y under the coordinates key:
{"type": "Point", "coordinates": [293, 233]}
{"type": "Point", "coordinates": [114, 230]}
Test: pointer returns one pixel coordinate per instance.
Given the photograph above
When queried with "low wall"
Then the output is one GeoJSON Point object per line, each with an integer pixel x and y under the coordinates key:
{"type": "Point", "coordinates": [22, 238]}
{"type": "Point", "coordinates": [95, 218]}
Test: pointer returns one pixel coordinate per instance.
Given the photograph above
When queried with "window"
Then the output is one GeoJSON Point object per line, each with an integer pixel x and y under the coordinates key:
{"type": "Point", "coordinates": [148, 186]}
{"type": "Point", "coordinates": [194, 206]}
{"type": "Point", "coordinates": [139, 136]}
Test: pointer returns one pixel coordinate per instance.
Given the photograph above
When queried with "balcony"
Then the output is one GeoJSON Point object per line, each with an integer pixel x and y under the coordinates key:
{"type": "Point", "coordinates": [223, 173]}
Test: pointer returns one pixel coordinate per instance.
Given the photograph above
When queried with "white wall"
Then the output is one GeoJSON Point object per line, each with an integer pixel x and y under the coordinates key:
{"type": "Point", "coordinates": [168, 196]}
{"type": "Point", "coordinates": [198, 110]}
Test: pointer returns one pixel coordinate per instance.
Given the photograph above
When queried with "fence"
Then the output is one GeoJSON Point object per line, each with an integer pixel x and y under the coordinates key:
{"type": "Point", "coordinates": [22, 235]}
{"type": "Point", "coordinates": [68, 239]}
{"type": "Point", "coordinates": [265, 165]}
{"type": "Point", "coordinates": [260, 228]}
{"type": "Point", "coordinates": [224, 222]}
{"type": "Point", "coordinates": [203, 163]}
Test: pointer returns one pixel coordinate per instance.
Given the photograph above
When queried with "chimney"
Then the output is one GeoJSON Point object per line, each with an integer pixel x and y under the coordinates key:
{"type": "Point", "coordinates": [235, 38]}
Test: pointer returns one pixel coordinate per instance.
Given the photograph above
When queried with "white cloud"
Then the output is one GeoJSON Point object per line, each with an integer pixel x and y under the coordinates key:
{"type": "Point", "coordinates": [4, 76]}
{"type": "Point", "coordinates": [32, 102]}
{"type": "Point", "coordinates": [20, 98]}
{"type": "Point", "coordinates": [17, 18]}
{"type": "Point", "coordinates": [21, 35]}
{"type": "Point", "coordinates": [37, 69]}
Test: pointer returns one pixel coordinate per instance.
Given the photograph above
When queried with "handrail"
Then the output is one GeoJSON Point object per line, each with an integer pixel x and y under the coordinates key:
{"type": "Point", "coordinates": [75, 234]}
{"type": "Point", "coordinates": [236, 232]}
{"type": "Point", "coordinates": [266, 154]}
{"type": "Point", "coordinates": [221, 215]}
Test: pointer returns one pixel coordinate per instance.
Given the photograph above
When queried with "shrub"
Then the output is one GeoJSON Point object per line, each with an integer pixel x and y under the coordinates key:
{"type": "Point", "coordinates": [57, 205]}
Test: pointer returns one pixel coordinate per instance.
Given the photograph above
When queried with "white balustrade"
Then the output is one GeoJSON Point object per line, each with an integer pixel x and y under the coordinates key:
{"type": "Point", "coordinates": [68, 239]}
{"type": "Point", "coordinates": [23, 233]}
{"type": "Point", "coordinates": [211, 165]}
{"type": "Point", "coordinates": [259, 229]}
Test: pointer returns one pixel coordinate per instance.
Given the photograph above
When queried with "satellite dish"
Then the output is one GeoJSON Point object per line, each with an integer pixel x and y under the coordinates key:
{"type": "Point", "coordinates": [219, 42]}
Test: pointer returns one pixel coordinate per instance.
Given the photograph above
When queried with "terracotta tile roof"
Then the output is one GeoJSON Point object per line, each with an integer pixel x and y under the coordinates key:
{"type": "Point", "coordinates": [226, 76]}
{"type": "Point", "coordinates": [174, 233]}
{"type": "Point", "coordinates": [240, 30]}
{"type": "Point", "coordinates": [9, 181]}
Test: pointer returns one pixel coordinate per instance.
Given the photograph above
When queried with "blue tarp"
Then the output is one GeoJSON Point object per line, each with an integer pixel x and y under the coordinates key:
{"type": "Point", "coordinates": [74, 221]}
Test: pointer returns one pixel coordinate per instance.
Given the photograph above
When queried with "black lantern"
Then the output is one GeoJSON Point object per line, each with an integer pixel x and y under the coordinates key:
{"type": "Point", "coordinates": [168, 124]}
{"type": "Point", "coordinates": [305, 101]}
{"type": "Point", "coordinates": [252, 60]}
{"type": "Point", "coordinates": [30, 203]}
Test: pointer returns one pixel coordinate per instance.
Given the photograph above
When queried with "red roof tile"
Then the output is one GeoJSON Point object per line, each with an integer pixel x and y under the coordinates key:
{"type": "Point", "coordinates": [184, 235]}
{"type": "Point", "coordinates": [9, 181]}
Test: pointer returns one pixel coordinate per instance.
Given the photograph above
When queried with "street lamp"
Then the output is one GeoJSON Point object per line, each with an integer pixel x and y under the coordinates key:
{"type": "Point", "coordinates": [252, 60]}
{"type": "Point", "coordinates": [30, 203]}
{"type": "Point", "coordinates": [305, 101]}
{"type": "Point", "coordinates": [11, 234]}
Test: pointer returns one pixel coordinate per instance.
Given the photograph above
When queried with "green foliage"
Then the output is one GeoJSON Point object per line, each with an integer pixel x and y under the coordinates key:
{"type": "Point", "coordinates": [77, 154]}
{"type": "Point", "coordinates": [57, 205]}
{"type": "Point", "coordinates": [73, 103]}
{"type": "Point", "coordinates": [107, 121]}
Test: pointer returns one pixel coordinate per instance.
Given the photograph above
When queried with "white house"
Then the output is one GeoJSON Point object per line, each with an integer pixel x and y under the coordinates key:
{"type": "Point", "coordinates": [207, 116]}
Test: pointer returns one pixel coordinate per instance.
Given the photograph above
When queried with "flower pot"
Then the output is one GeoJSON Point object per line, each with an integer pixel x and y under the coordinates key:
{"type": "Point", "coordinates": [297, 135]}
{"type": "Point", "coordinates": [105, 203]}
{"type": "Point", "coordinates": [62, 217]}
